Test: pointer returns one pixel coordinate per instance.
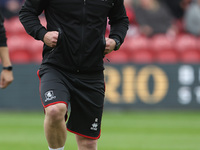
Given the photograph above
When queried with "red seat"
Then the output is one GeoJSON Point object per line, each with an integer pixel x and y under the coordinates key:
{"type": "Point", "coordinates": [117, 57]}
{"type": "Point", "coordinates": [134, 44]}
{"type": "Point", "coordinates": [20, 56]}
{"type": "Point", "coordinates": [18, 49]}
{"type": "Point", "coordinates": [139, 51]}
{"type": "Point", "coordinates": [35, 48]}
{"type": "Point", "coordinates": [37, 57]}
{"type": "Point", "coordinates": [138, 43]}
{"type": "Point", "coordinates": [163, 49]}
{"type": "Point", "coordinates": [167, 57]}
{"type": "Point", "coordinates": [126, 45]}
{"type": "Point", "coordinates": [186, 42]}
{"type": "Point", "coordinates": [161, 42]}
{"type": "Point", "coordinates": [14, 26]}
{"type": "Point", "coordinates": [198, 45]}
{"type": "Point", "coordinates": [16, 42]}
{"type": "Point", "coordinates": [190, 56]}
{"type": "Point", "coordinates": [187, 48]}
{"type": "Point", "coordinates": [142, 57]}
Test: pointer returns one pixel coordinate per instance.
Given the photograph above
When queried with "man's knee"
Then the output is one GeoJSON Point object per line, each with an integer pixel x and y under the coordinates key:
{"type": "Point", "coordinates": [56, 112]}
{"type": "Point", "coordinates": [86, 143]}
{"type": "Point", "coordinates": [91, 144]}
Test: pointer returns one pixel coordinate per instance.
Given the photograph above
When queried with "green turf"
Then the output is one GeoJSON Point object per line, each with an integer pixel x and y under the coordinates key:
{"type": "Point", "coordinates": [120, 131]}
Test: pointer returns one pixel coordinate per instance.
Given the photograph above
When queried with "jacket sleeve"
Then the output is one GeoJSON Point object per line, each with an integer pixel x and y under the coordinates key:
{"type": "Point", "coordinates": [28, 16]}
{"type": "Point", "coordinates": [2, 32]}
{"type": "Point", "coordinates": [118, 21]}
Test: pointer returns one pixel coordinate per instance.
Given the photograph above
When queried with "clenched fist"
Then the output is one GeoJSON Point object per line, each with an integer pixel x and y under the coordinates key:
{"type": "Point", "coordinates": [51, 38]}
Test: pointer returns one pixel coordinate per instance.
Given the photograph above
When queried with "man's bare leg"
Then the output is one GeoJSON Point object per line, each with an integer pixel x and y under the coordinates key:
{"type": "Point", "coordinates": [54, 125]}
{"type": "Point", "coordinates": [86, 143]}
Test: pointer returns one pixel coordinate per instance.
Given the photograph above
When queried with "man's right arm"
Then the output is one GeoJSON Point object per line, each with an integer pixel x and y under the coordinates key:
{"type": "Point", "coordinates": [6, 76]}
{"type": "Point", "coordinates": [28, 16]}
{"type": "Point", "coordinates": [2, 32]}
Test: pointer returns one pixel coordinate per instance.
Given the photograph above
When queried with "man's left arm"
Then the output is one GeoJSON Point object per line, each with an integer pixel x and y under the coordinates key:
{"type": "Point", "coordinates": [119, 23]}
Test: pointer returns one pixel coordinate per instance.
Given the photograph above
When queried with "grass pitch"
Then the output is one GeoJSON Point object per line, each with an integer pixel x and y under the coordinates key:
{"type": "Point", "coordinates": [149, 130]}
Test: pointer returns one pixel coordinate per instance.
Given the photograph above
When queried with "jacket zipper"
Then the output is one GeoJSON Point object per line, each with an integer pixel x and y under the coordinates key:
{"type": "Point", "coordinates": [82, 36]}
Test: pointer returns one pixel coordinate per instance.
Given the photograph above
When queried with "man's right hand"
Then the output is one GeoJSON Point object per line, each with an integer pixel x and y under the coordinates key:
{"type": "Point", "coordinates": [51, 38]}
{"type": "Point", "coordinates": [6, 78]}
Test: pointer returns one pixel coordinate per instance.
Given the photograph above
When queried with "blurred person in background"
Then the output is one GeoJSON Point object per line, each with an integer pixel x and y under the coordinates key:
{"type": "Point", "coordinates": [192, 18]}
{"type": "Point", "coordinates": [133, 26]}
{"type": "Point", "coordinates": [154, 18]}
{"type": "Point", "coordinates": [177, 9]}
{"type": "Point", "coordinates": [130, 11]}
{"type": "Point", "coordinates": [72, 68]}
{"type": "Point", "coordinates": [6, 76]}
{"type": "Point", "coordinates": [10, 8]}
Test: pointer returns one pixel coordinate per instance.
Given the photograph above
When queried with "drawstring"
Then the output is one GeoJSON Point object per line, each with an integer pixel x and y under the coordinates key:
{"type": "Point", "coordinates": [107, 59]}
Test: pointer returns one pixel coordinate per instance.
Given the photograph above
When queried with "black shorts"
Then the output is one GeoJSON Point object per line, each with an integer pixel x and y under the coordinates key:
{"type": "Point", "coordinates": [83, 92]}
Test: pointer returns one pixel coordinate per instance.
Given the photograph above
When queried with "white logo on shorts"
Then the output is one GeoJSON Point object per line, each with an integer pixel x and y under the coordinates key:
{"type": "Point", "coordinates": [94, 125]}
{"type": "Point", "coordinates": [49, 95]}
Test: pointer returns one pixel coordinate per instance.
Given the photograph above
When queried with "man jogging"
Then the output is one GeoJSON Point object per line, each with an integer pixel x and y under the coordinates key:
{"type": "Point", "coordinates": [71, 72]}
{"type": "Point", "coordinates": [6, 76]}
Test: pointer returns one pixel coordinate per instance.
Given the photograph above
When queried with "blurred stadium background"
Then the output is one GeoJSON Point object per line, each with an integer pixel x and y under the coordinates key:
{"type": "Point", "coordinates": [152, 83]}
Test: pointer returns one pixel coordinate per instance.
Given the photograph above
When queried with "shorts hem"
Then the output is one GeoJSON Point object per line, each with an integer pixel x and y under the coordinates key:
{"type": "Point", "coordinates": [94, 138]}
{"type": "Point", "coordinates": [45, 106]}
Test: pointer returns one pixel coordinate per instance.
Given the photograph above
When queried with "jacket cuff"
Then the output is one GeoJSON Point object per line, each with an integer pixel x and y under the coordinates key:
{"type": "Point", "coordinates": [115, 37]}
{"type": "Point", "coordinates": [3, 43]}
{"type": "Point", "coordinates": [41, 34]}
